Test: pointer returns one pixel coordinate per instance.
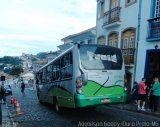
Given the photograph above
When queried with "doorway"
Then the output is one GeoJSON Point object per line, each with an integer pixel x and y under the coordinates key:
{"type": "Point", "coordinates": [152, 68]}
{"type": "Point", "coordinates": [128, 84]}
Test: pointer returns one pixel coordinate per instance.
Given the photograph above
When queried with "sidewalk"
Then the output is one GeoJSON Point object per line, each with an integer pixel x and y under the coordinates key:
{"type": "Point", "coordinates": [133, 108]}
{"type": "Point", "coordinates": [7, 121]}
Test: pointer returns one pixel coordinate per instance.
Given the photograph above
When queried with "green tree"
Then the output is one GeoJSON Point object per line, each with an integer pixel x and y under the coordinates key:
{"type": "Point", "coordinates": [16, 71]}
{"type": "Point", "coordinates": [41, 55]}
{"type": "Point", "coordinates": [2, 66]}
{"type": "Point", "coordinates": [10, 60]}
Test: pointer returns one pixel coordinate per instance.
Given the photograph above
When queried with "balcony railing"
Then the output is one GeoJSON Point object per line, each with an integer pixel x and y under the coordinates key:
{"type": "Point", "coordinates": [128, 55]}
{"type": "Point", "coordinates": [154, 29]}
{"type": "Point", "coordinates": [112, 16]}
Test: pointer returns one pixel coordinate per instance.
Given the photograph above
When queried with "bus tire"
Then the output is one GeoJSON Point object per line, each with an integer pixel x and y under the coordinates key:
{"type": "Point", "coordinates": [91, 108]}
{"type": "Point", "coordinates": [58, 109]}
{"type": "Point", "coordinates": [40, 101]}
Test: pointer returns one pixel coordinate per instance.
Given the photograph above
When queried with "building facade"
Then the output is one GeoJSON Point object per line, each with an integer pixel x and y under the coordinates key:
{"type": "Point", "coordinates": [52, 55]}
{"type": "Point", "coordinates": [117, 25]}
{"type": "Point", "coordinates": [85, 37]}
{"type": "Point", "coordinates": [38, 64]}
{"type": "Point", "coordinates": [148, 58]}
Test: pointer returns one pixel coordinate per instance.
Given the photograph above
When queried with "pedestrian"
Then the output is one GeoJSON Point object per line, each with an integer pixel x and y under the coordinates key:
{"type": "Point", "coordinates": [2, 94]}
{"type": "Point", "coordinates": [155, 94]}
{"type": "Point", "coordinates": [22, 88]}
{"type": "Point", "coordinates": [142, 94]}
{"type": "Point", "coordinates": [134, 94]}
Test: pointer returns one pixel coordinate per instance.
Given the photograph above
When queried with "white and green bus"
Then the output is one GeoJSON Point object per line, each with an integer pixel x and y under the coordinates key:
{"type": "Point", "coordinates": [84, 75]}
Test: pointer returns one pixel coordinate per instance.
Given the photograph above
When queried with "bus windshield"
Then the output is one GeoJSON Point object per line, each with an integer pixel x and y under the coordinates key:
{"type": "Point", "coordinates": [95, 57]}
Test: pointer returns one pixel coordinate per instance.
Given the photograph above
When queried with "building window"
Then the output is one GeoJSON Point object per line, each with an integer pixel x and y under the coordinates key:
{"type": "Point", "coordinates": [81, 42]}
{"type": "Point", "coordinates": [128, 38]}
{"type": "Point", "coordinates": [125, 43]}
{"type": "Point", "coordinates": [114, 3]}
{"type": "Point", "coordinates": [89, 41]}
{"type": "Point", "coordinates": [132, 40]}
{"type": "Point", "coordinates": [113, 39]}
{"type": "Point", "coordinates": [130, 2]}
{"type": "Point", "coordinates": [101, 40]}
{"type": "Point", "coordinates": [157, 9]}
{"type": "Point", "coordinates": [102, 8]}
{"type": "Point", "coordinates": [128, 41]}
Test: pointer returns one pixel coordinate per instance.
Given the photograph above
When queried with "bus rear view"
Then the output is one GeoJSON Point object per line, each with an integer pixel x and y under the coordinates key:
{"type": "Point", "coordinates": [104, 68]}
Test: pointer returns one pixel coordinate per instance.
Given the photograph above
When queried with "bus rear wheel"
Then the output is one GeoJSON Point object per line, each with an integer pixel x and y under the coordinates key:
{"type": "Point", "coordinates": [40, 101]}
{"type": "Point", "coordinates": [58, 109]}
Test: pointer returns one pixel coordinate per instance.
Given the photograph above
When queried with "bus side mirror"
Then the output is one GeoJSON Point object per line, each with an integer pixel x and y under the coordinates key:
{"type": "Point", "coordinates": [85, 78]}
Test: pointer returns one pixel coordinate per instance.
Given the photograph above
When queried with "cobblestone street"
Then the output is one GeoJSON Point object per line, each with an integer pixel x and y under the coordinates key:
{"type": "Point", "coordinates": [44, 115]}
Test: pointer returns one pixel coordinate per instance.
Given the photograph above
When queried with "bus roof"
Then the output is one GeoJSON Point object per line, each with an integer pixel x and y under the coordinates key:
{"type": "Point", "coordinates": [56, 58]}
{"type": "Point", "coordinates": [72, 48]}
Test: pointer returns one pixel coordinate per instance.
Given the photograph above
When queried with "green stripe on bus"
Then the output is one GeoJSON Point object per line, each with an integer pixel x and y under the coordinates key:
{"type": "Point", "coordinates": [59, 92]}
{"type": "Point", "coordinates": [63, 96]}
{"type": "Point", "coordinates": [91, 87]}
{"type": "Point", "coordinates": [83, 101]}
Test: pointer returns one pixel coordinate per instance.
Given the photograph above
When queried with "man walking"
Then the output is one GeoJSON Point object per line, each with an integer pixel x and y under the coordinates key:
{"type": "Point", "coordinates": [142, 94]}
{"type": "Point", "coordinates": [2, 94]}
{"type": "Point", "coordinates": [22, 88]}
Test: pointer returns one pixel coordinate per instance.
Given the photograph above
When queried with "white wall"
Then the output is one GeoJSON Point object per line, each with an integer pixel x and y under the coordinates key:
{"type": "Point", "coordinates": [129, 18]}
{"type": "Point", "coordinates": [143, 45]}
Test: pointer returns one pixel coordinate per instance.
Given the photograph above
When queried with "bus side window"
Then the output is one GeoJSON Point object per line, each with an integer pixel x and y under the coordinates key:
{"type": "Point", "coordinates": [70, 58]}
{"type": "Point", "coordinates": [37, 81]}
{"type": "Point", "coordinates": [44, 75]}
{"type": "Point", "coordinates": [66, 71]}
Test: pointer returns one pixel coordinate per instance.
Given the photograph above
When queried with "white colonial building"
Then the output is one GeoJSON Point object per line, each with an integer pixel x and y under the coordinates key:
{"type": "Point", "coordinates": [117, 25]}
{"type": "Point", "coordinates": [133, 26]}
{"type": "Point", "coordinates": [148, 58]}
{"type": "Point", "coordinates": [84, 37]}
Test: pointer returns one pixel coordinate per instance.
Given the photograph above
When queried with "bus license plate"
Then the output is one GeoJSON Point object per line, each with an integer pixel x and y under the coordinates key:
{"type": "Point", "coordinates": [105, 100]}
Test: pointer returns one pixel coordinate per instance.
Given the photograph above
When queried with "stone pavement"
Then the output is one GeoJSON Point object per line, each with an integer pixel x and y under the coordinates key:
{"type": "Point", "coordinates": [7, 120]}
{"type": "Point", "coordinates": [133, 108]}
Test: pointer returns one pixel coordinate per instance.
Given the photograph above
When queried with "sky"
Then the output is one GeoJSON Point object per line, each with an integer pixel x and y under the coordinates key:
{"type": "Point", "coordinates": [33, 26]}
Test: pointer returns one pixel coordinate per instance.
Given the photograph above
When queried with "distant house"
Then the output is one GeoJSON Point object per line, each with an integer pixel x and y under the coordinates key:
{"type": "Point", "coordinates": [8, 78]}
{"type": "Point", "coordinates": [38, 64]}
{"type": "Point", "coordinates": [52, 55]}
{"type": "Point", "coordinates": [84, 37]}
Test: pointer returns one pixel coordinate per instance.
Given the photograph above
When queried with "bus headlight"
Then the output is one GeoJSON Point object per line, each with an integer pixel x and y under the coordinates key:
{"type": "Point", "coordinates": [125, 88]}
{"type": "Point", "coordinates": [79, 91]}
{"type": "Point", "coordinates": [79, 85]}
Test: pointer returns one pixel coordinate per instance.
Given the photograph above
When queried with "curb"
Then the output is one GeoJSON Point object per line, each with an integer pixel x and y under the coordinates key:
{"type": "Point", "coordinates": [7, 120]}
{"type": "Point", "coordinates": [136, 111]}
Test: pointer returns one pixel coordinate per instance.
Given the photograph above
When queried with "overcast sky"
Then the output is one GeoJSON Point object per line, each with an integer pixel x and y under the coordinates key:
{"type": "Point", "coordinates": [33, 26]}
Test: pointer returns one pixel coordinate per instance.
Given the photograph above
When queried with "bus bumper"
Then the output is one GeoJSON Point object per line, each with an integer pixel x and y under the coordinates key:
{"type": "Point", "coordinates": [83, 101]}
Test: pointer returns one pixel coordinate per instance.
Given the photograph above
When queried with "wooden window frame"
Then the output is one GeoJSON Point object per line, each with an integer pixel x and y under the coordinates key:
{"type": "Point", "coordinates": [155, 11]}
{"type": "Point", "coordinates": [129, 4]}
{"type": "Point", "coordinates": [115, 34]}
{"type": "Point", "coordinates": [99, 39]}
{"type": "Point", "coordinates": [102, 8]}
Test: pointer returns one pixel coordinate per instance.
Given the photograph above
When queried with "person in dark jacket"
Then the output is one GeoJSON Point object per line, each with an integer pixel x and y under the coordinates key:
{"type": "Point", "coordinates": [134, 95]}
{"type": "Point", "coordinates": [2, 94]}
{"type": "Point", "coordinates": [22, 88]}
